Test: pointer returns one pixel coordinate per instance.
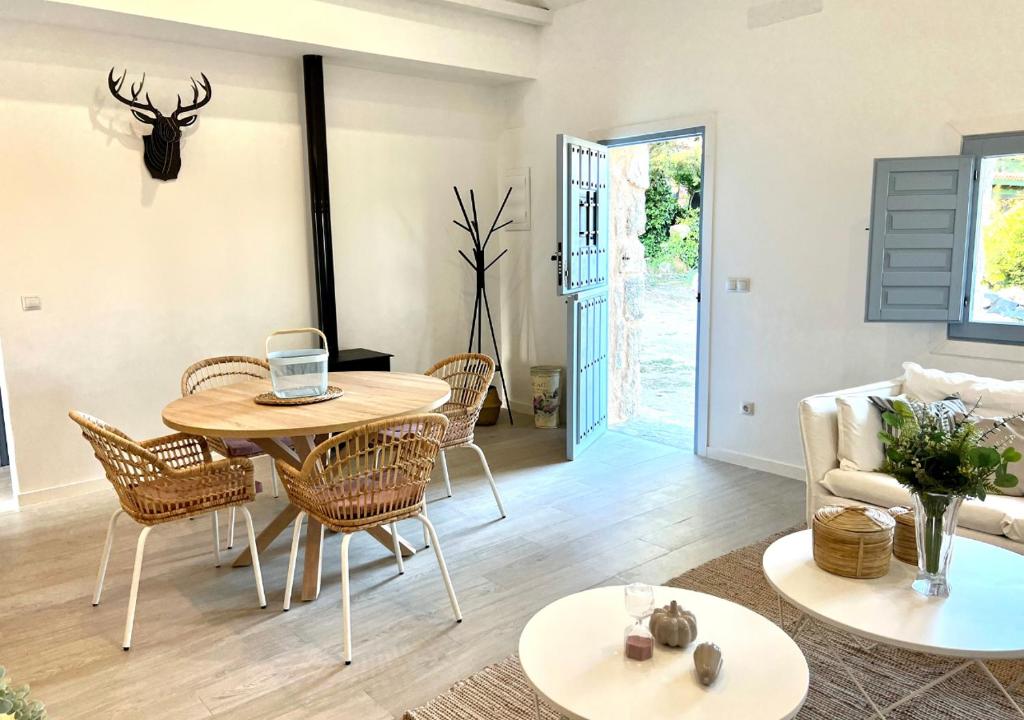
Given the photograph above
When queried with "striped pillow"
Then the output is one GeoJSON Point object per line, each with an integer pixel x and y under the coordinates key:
{"type": "Point", "coordinates": [949, 412]}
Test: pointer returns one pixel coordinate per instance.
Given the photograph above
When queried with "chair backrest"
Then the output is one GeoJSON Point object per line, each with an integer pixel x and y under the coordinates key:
{"type": "Point", "coordinates": [469, 375]}
{"type": "Point", "coordinates": [125, 462]}
{"type": "Point", "coordinates": [369, 475]}
{"type": "Point", "coordinates": [225, 370]}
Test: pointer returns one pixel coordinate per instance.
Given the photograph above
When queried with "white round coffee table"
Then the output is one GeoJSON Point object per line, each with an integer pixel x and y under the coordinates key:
{"type": "Point", "coordinates": [972, 623]}
{"type": "Point", "coordinates": [571, 652]}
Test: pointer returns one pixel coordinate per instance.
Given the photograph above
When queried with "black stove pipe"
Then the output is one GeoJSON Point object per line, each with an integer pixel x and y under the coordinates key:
{"type": "Point", "coordinates": [320, 201]}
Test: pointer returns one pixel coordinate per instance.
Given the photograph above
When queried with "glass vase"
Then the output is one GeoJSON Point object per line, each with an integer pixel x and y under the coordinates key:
{"type": "Point", "coordinates": [935, 518]}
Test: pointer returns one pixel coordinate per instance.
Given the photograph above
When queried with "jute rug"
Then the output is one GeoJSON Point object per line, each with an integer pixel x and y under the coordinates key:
{"type": "Point", "coordinates": [500, 692]}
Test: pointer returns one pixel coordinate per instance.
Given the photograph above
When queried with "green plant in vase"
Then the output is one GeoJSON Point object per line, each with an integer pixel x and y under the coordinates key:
{"type": "Point", "coordinates": [942, 459]}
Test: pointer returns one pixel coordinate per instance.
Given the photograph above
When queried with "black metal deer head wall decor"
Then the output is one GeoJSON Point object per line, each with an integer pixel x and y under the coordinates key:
{"type": "Point", "coordinates": [162, 146]}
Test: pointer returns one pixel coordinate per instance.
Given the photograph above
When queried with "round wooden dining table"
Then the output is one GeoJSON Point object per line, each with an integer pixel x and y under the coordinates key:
{"type": "Point", "coordinates": [232, 412]}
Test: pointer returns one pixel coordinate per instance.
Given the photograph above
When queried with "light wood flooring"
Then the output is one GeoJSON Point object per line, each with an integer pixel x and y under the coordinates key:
{"type": "Point", "coordinates": [628, 510]}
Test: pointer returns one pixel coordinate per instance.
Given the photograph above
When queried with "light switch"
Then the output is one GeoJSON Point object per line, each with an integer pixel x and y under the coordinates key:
{"type": "Point", "coordinates": [31, 302]}
{"type": "Point", "coordinates": [738, 285]}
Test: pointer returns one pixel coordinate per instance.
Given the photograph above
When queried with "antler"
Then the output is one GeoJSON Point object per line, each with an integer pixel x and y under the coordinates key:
{"type": "Point", "coordinates": [115, 90]}
{"type": "Point", "coordinates": [196, 102]}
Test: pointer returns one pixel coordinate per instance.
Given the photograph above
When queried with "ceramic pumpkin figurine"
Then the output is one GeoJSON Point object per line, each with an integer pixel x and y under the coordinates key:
{"type": "Point", "coordinates": [673, 626]}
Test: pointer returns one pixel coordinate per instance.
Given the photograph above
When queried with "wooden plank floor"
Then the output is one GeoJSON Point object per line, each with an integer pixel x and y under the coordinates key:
{"type": "Point", "coordinates": [628, 510]}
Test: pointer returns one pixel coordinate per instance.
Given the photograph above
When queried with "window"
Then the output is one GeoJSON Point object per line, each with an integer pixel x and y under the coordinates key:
{"type": "Point", "coordinates": [947, 240]}
{"type": "Point", "coordinates": [994, 301]}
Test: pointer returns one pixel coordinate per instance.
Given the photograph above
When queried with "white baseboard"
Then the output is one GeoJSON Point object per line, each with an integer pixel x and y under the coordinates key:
{"type": "Point", "coordinates": [757, 463]}
{"type": "Point", "coordinates": [62, 492]}
{"type": "Point", "coordinates": [521, 408]}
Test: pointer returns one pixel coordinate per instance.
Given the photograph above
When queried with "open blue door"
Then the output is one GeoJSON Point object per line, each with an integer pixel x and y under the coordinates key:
{"type": "Point", "coordinates": [582, 257]}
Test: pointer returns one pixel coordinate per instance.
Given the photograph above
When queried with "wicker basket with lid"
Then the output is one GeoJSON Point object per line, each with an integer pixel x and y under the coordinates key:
{"type": "Point", "coordinates": [904, 539]}
{"type": "Point", "coordinates": [853, 541]}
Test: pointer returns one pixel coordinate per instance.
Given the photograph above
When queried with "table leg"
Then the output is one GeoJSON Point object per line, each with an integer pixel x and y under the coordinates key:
{"type": "Point", "coordinates": [382, 535]}
{"type": "Point", "coordinates": [277, 526]}
{"type": "Point", "coordinates": [883, 713]}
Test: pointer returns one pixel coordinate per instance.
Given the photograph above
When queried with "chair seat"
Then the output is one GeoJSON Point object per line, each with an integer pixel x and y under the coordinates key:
{"type": "Point", "coordinates": [173, 498]}
{"type": "Point", "coordinates": [365, 500]}
{"type": "Point", "coordinates": [240, 447]}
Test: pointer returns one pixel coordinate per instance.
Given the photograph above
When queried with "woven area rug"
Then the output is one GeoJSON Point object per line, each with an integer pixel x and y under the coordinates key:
{"type": "Point", "coordinates": [500, 692]}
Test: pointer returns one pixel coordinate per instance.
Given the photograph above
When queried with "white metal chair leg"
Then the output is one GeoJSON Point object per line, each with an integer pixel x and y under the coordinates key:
{"type": "Point", "coordinates": [107, 544]}
{"type": "Point", "coordinates": [296, 534]}
{"type": "Point", "coordinates": [255, 555]}
{"type": "Point", "coordinates": [426, 535]}
{"type": "Point", "coordinates": [444, 568]}
{"type": "Point", "coordinates": [134, 595]}
{"type": "Point", "coordinates": [273, 478]}
{"type": "Point", "coordinates": [231, 528]}
{"type": "Point", "coordinates": [444, 473]}
{"type": "Point", "coordinates": [320, 561]}
{"type": "Point", "coordinates": [490, 478]}
{"type": "Point", "coordinates": [346, 603]}
{"type": "Point", "coordinates": [398, 549]}
{"type": "Point", "coordinates": [216, 537]}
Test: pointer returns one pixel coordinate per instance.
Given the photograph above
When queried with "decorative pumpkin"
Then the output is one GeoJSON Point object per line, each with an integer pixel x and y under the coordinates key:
{"type": "Point", "coordinates": [673, 626]}
{"type": "Point", "coordinates": [707, 661]}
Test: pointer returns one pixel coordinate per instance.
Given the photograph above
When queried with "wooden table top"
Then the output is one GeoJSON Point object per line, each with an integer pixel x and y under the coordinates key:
{"type": "Point", "coordinates": [231, 411]}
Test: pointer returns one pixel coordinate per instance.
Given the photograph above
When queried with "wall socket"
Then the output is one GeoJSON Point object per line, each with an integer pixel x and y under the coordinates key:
{"type": "Point", "coordinates": [31, 302]}
{"type": "Point", "coordinates": [747, 408]}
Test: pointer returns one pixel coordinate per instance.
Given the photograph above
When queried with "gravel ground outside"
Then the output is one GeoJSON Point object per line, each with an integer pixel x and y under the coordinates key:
{"type": "Point", "coordinates": [668, 361]}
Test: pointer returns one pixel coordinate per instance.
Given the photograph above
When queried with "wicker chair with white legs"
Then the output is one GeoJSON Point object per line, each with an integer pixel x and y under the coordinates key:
{"type": "Point", "coordinates": [165, 479]}
{"type": "Point", "coordinates": [367, 477]}
{"type": "Point", "coordinates": [469, 375]}
{"type": "Point", "coordinates": [217, 372]}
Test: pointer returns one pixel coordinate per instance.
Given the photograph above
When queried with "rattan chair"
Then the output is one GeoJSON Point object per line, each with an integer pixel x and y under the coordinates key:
{"type": "Point", "coordinates": [363, 478]}
{"type": "Point", "coordinates": [469, 375]}
{"type": "Point", "coordinates": [165, 479]}
{"type": "Point", "coordinates": [217, 372]}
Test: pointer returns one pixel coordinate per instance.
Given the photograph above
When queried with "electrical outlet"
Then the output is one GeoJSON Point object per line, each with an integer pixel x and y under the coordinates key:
{"type": "Point", "coordinates": [747, 408]}
{"type": "Point", "coordinates": [31, 302]}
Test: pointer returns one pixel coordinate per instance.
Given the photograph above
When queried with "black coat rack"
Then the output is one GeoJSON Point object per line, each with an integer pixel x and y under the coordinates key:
{"type": "Point", "coordinates": [480, 267]}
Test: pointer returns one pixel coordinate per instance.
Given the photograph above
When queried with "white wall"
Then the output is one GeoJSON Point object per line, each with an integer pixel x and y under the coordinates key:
{"type": "Point", "coordinates": [801, 110]}
{"type": "Point", "coordinates": [397, 145]}
{"type": "Point", "coordinates": [140, 278]}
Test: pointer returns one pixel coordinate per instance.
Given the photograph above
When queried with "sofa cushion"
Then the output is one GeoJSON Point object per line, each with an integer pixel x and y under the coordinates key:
{"type": "Point", "coordinates": [997, 515]}
{"type": "Point", "coordinates": [999, 398]}
{"type": "Point", "coordinates": [859, 424]}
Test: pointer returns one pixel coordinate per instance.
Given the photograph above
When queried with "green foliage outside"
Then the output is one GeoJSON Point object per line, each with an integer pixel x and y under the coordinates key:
{"type": "Point", "coordinates": [1003, 239]}
{"type": "Point", "coordinates": [675, 177]}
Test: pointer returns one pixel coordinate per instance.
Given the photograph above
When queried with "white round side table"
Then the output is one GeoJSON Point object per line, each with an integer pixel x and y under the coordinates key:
{"type": "Point", "coordinates": [967, 624]}
{"type": "Point", "coordinates": [571, 652]}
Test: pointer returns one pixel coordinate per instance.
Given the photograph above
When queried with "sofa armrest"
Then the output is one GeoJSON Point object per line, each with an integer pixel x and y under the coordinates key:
{"type": "Point", "coordinates": [819, 430]}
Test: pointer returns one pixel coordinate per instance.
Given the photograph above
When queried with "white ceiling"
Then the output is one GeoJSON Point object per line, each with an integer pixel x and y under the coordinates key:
{"type": "Point", "coordinates": [549, 4]}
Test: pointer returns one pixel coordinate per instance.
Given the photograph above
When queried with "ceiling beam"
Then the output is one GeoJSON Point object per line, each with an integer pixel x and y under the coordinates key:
{"type": "Point", "coordinates": [529, 14]}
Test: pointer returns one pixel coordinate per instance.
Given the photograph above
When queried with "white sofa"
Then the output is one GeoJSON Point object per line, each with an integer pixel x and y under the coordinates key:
{"type": "Point", "coordinates": [998, 520]}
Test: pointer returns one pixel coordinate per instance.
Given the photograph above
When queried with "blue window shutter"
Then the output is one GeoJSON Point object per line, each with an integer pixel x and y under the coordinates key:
{"type": "Point", "coordinates": [919, 218]}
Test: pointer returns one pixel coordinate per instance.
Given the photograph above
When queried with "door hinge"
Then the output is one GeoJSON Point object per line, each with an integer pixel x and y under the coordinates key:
{"type": "Point", "coordinates": [698, 296]}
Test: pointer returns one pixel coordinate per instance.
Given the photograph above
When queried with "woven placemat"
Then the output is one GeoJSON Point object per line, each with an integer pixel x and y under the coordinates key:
{"type": "Point", "coordinates": [269, 398]}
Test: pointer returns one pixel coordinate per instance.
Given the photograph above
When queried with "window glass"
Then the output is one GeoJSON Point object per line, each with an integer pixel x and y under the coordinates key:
{"type": "Point", "coordinates": [997, 279]}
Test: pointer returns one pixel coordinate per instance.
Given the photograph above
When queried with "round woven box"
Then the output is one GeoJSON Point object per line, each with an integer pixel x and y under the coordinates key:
{"type": "Point", "coordinates": [904, 540]}
{"type": "Point", "coordinates": [853, 541]}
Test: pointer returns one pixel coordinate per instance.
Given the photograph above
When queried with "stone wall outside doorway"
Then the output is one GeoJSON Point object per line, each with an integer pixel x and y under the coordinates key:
{"type": "Point", "coordinates": [630, 178]}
